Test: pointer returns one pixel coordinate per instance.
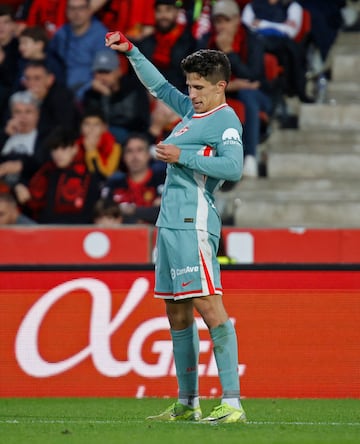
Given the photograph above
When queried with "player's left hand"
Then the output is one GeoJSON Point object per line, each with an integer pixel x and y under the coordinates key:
{"type": "Point", "coordinates": [167, 153]}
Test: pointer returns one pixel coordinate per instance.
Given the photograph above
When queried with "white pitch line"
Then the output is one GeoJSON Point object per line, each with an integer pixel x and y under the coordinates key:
{"type": "Point", "coordinates": [115, 421]}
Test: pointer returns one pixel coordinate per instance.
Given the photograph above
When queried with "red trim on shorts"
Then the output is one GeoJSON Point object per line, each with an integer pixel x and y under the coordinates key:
{"type": "Point", "coordinates": [207, 275]}
{"type": "Point", "coordinates": [162, 293]}
{"type": "Point", "coordinates": [183, 293]}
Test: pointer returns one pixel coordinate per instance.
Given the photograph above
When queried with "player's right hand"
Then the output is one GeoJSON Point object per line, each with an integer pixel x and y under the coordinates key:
{"type": "Point", "coordinates": [116, 40]}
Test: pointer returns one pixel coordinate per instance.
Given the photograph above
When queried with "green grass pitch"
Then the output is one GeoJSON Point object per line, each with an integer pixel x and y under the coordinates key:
{"type": "Point", "coordinates": [122, 420]}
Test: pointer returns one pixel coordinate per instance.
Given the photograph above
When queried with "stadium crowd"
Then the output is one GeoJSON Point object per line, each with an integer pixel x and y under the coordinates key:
{"type": "Point", "coordinates": [76, 125]}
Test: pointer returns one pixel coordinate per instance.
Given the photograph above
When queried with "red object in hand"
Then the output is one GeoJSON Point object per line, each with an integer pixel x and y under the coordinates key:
{"type": "Point", "coordinates": [122, 38]}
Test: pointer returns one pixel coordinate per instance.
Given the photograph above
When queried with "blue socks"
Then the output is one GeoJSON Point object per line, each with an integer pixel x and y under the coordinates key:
{"type": "Point", "coordinates": [226, 356]}
{"type": "Point", "coordinates": [186, 355]}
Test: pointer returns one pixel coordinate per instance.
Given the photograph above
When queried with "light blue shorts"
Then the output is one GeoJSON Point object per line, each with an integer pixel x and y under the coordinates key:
{"type": "Point", "coordinates": [186, 265]}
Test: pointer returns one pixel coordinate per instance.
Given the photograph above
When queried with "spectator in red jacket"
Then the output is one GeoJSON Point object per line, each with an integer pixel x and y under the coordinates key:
{"type": "Point", "coordinates": [62, 191]}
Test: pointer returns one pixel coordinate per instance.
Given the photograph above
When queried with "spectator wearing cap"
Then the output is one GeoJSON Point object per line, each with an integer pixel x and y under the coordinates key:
{"type": "Point", "coordinates": [76, 44]}
{"type": "Point", "coordinates": [20, 143]}
{"type": "Point", "coordinates": [246, 56]}
{"type": "Point", "coordinates": [121, 98]}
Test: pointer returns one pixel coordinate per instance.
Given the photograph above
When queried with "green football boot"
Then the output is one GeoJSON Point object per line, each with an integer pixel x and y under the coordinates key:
{"type": "Point", "coordinates": [178, 412]}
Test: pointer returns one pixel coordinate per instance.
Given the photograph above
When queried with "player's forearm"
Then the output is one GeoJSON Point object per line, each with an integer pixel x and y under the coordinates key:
{"type": "Point", "coordinates": [147, 73]}
{"type": "Point", "coordinates": [228, 167]}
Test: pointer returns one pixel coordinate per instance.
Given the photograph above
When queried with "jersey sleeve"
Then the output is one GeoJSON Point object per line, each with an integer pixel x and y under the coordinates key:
{"type": "Point", "coordinates": [157, 84]}
{"type": "Point", "coordinates": [227, 164]}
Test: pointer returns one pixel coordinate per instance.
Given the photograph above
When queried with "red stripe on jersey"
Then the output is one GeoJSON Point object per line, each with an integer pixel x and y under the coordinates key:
{"type": "Point", "coordinates": [207, 151]}
{"type": "Point", "coordinates": [207, 275]}
{"type": "Point", "coordinates": [200, 116]}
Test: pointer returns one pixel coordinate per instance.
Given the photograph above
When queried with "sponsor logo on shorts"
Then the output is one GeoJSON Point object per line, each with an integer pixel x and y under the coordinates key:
{"type": "Point", "coordinates": [181, 271]}
{"type": "Point", "coordinates": [185, 284]}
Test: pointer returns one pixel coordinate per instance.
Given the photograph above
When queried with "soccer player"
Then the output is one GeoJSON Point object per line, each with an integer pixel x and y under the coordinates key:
{"type": "Point", "coordinates": [202, 151]}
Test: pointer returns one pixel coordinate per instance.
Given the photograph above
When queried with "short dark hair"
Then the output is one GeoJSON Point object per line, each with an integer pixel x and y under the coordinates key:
{"type": "Point", "coordinates": [60, 137]}
{"type": "Point", "coordinates": [8, 198]}
{"type": "Point", "coordinates": [211, 64]}
{"type": "Point", "coordinates": [137, 135]}
{"type": "Point", "coordinates": [94, 112]}
{"type": "Point", "coordinates": [37, 33]}
{"type": "Point", "coordinates": [7, 10]}
{"type": "Point", "coordinates": [38, 64]}
{"type": "Point", "coordinates": [106, 207]}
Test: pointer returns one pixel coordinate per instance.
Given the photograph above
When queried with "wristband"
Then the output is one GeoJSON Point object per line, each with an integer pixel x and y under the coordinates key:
{"type": "Point", "coordinates": [122, 39]}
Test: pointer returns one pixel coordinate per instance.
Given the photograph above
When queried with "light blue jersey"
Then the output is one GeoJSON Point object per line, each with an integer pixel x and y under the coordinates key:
{"type": "Point", "coordinates": [211, 152]}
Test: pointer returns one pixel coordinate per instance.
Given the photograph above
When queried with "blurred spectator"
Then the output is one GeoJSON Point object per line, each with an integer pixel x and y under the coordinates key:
{"type": "Point", "coordinates": [169, 43]}
{"type": "Point", "coordinates": [326, 21]}
{"type": "Point", "coordinates": [138, 191]}
{"type": "Point", "coordinates": [33, 47]}
{"type": "Point", "coordinates": [102, 152]}
{"type": "Point", "coordinates": [166, 47]}
{"type": "Point", "coordinates": [76, 44]}
{"type": "Point", "coordinates": [246, 56]}
{"type": "Point", "coordinates": [20, 142]}
{"type": "Point", "coordinates": [121, 98]}
{"type": "Point", "coordinates": [57, 103]}
{"type": "Point", "coordinates": [107, 214]}
{"type": "Point", "coordinates": [135, 18]}
{"type": "Point", "coordinates": [62, 191]}
{"type": "Point", "coordinates": [49, 14]}
{"type": "Point", "coordinates": [278, 22]}
{"type": "Point", "coordinates": [10, 213]}
{"type": "Point", "coordinates": [9, 56]}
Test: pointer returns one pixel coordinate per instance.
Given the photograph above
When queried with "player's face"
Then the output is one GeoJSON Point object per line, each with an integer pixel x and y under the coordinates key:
{"type": "Point", "coordinates": [205, 95]}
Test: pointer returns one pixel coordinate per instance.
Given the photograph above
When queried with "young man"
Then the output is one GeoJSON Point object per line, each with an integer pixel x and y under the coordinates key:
{"type": "Point", "coordinates": [76, 44]}
{"type": "Point", "coordinates": [202, 151]}
{"type": "Point", "coordinates": [138, 191]}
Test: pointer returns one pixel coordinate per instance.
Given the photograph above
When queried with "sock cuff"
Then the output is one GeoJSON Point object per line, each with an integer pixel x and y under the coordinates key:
{"type": "Point", "coordinates": [185, 333]}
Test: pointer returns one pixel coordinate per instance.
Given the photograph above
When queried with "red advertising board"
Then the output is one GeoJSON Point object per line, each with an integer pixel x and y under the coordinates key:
{"type": "Point", "coordinates": [101, 333]}
{"type": "Point", "coordinates": [74, 245]}
{"type": "Point", "coordinates": [134, 244]}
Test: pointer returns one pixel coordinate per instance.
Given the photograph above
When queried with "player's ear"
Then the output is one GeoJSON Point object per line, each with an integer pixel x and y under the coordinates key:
{"type": "Point", "coordinates": [221, 84]}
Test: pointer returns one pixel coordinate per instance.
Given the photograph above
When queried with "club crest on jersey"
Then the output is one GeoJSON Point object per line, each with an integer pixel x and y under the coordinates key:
{"type": "Point", "coordinates": [231, 136]}
{"type": "Point", "coordinates": [181, 131]}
